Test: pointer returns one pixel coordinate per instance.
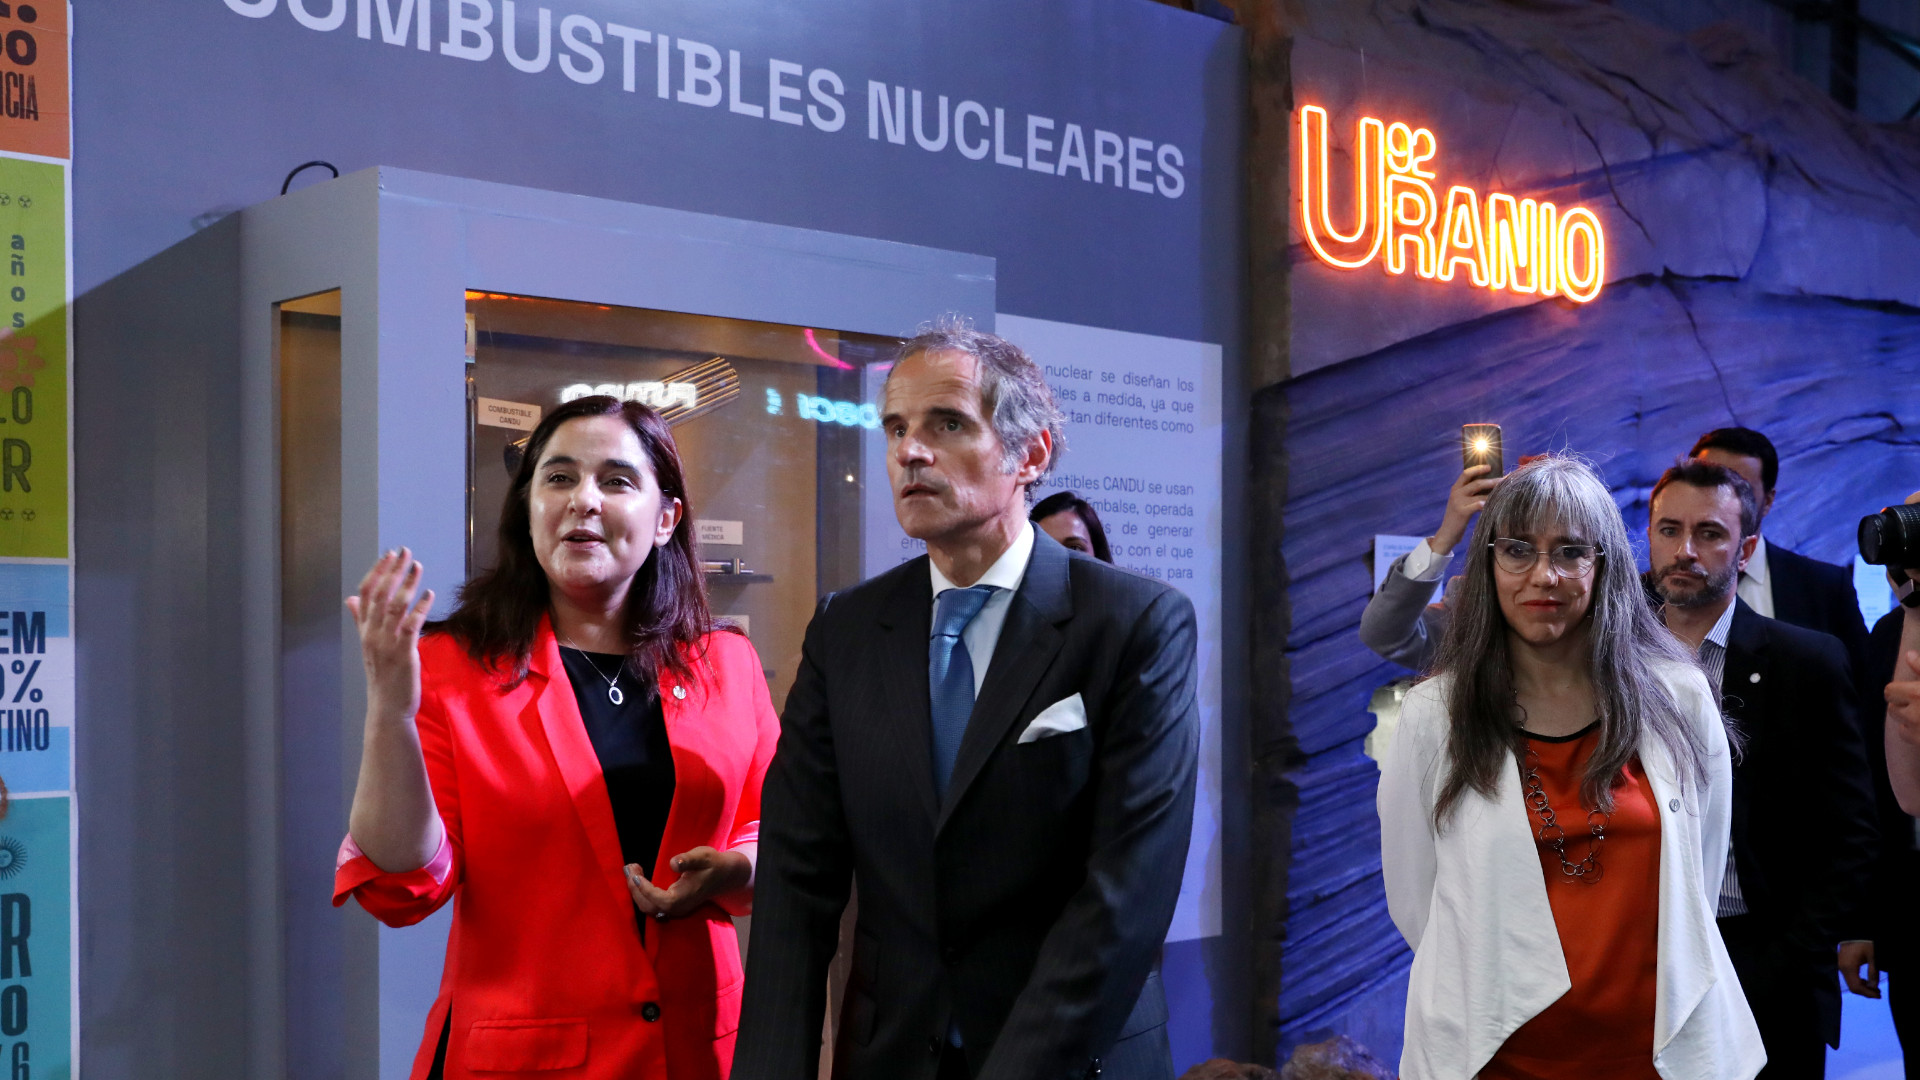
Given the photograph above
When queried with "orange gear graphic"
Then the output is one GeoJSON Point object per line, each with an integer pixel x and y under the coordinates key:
{"type": "Point", "coordinates": [19, 359]}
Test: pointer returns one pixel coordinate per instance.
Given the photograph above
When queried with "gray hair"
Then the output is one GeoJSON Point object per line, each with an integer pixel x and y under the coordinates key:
{"type": "Point", "coordinates": [1013, 393]}
{"type": "Point", "coordinates": [1560, 494]}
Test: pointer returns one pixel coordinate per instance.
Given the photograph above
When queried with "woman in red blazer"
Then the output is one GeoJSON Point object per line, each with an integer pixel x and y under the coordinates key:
{"type": "Point", "coordinates": [574, 758]}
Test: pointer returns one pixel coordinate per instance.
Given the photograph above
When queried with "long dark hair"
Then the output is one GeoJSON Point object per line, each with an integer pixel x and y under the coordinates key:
{"type": "Point", "coordinates": [498, 614]}
{"type": "Point", "coordinates": [1061, 502]}
{"type": "Point", "coordinates": [1628, 644]}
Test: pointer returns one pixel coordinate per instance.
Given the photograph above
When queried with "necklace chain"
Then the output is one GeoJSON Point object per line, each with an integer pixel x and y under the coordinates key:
{"type": "Point", "coordinates": [1587, 870]}
{"type": "Point", "coordinates": [613, 689]}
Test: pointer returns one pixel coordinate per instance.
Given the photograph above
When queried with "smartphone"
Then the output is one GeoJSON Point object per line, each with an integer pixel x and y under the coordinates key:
{"type": "Point", "coordinates": [1480, 445]}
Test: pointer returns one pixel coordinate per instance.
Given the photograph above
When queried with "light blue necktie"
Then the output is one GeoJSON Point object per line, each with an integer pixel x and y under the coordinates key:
{"type": "Point", "coordinates": [950, 676]}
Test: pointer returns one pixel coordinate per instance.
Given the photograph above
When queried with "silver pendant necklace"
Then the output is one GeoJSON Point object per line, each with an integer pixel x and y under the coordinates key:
{"type": "Point", "coordinates": [613, 689]}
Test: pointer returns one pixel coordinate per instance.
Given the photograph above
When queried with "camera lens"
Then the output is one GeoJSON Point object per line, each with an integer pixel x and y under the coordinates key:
{"type": "Point", "coordinates": [1891, 537]}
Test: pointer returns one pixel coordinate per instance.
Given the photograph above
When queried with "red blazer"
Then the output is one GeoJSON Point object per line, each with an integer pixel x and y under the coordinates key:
{"type": "Point", "coordinates": [546, 973]}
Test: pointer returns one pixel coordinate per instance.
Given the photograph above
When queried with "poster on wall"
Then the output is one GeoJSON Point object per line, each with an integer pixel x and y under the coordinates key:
{"type": "Point", "coordinates": [36, 938]}
{"type": "Point", "coordinates": [1143, 446]}
{"type": "Point", "coordinates": [33, 79]}
{"type": "Point", "coordinates": [33, 359]}
{"type": "Point", "coordinates": [36, 679]}
{"type": "Point", "coordinates": [37, 839]}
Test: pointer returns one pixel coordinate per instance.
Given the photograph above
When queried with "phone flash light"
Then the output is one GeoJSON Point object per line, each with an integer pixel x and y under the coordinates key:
{"type": "Point", "coordinates": [1480, 445]}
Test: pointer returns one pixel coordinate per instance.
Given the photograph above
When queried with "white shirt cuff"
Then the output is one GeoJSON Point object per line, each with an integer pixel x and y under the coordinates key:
{"type": "Point", "coordinates": [1423, 565]}
{"type": "Point", "coordinates": [751, 849]}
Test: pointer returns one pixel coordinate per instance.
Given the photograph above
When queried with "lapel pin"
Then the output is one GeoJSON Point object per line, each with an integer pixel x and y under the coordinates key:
{"type": "Point", "coordinates": [1755, 677]}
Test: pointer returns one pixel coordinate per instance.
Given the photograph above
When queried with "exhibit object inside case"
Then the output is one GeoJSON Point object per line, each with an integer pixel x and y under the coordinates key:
{"type": "Point", "coordinates": [770, 420]}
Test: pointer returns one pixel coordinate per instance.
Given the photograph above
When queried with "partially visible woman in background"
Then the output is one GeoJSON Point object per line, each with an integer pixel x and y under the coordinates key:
{"type": "Point", "coordinates": [1554, 816]}
{"type": "Point", "coordinates": [1073, 521]}
{"type": "Point", "coordinates": [574, 757]}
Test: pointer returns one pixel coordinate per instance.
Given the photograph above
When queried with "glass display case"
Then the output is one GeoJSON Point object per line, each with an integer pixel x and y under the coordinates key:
{"type": "Point", "coordinates": [366, 425]}
{"type": "Point", "coordinates": [772, 422]}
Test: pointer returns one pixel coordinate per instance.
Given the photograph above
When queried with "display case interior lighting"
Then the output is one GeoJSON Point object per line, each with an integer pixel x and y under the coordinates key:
{"type": "Point", "coordinates": [813, 342]}
{"type": "Point", "coordinates": [1500, 242]}
{"type": "Point", "coordinates": [531, 317]}
{"type": "Point", "coordinates": [679, 397]}
{"type": "Point", "coordinates": [826, 410]}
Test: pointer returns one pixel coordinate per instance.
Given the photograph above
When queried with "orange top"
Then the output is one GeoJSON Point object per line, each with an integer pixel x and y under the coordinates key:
{"type": "Point", "coordinates": [1602, 1028]}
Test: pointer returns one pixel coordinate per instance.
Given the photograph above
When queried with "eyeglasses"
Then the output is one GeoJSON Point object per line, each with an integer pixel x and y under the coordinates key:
{"type": "Point", "coordinates": [1569, 560]}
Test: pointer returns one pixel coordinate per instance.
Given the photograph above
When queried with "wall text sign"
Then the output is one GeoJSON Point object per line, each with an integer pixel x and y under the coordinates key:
{"type": "Point", "coordinates": [1495, 241]}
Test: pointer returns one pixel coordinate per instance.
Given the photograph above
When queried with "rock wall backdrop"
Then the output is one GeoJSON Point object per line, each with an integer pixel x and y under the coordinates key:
{"type": "Point", "coordinates": [1763, 269]}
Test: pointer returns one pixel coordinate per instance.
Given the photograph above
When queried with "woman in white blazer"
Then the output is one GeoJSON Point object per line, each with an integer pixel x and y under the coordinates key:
{"type": "Point", "coordinates": [1554, 813]}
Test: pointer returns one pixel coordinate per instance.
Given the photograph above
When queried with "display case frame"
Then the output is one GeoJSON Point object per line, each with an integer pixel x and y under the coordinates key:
{"type": "Point", "coordinates": [403, 248]}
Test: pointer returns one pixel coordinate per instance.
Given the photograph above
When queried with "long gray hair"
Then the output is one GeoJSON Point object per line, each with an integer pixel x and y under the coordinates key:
{"type": "Point", "coordinates": [1559, 494]}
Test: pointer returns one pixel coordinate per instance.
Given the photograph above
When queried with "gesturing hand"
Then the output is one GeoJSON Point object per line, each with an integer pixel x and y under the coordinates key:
{"type": "Point", "coordinates": [704, 874]}
{"type": "Point", "coordinates": [389, 620]}
{"type": "Point", "coordinates": [1468, 496]}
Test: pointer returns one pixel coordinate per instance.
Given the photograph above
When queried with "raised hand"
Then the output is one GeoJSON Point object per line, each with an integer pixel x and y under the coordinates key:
{"type": "Point", "coordinates": [389, 617]}
{"type": "Point", "coordinates": [393, 819]}
{"type": "Point", "coordinates": [1467, 497]}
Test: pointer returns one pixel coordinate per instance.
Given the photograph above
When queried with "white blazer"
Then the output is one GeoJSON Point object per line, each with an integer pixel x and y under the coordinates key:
{"type": "Point", "coordinates": [1472, 902]}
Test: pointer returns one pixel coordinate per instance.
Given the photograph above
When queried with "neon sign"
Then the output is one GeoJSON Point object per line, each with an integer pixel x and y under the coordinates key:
{"type": "Point", "coordinates": [1516, 245]}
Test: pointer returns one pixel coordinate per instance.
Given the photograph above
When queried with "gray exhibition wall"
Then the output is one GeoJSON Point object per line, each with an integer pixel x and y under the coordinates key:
{"type": "Point", "coordinates": [187, 112]}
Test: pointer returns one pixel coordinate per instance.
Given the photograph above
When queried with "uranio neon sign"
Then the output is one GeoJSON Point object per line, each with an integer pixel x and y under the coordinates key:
{"type": "Point", "coordinates": [1519, 245]}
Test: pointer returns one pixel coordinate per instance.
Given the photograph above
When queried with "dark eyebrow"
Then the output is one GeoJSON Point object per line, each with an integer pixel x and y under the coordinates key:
{"type": "Point", "coordinates": [938, 412]}
{"type": "Point", "coordinates": [617, 463]}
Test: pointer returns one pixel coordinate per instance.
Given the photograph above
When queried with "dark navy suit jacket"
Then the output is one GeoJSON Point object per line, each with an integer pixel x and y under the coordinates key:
{"type": "Point", "coordinates": [1804, 835]}
{"type": "Point", "coordinates": [1025, 910]}
{"type": "Point", "coordinates": [1819, 596]}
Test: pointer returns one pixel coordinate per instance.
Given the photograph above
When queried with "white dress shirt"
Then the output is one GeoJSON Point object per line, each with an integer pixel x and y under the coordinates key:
{"type": "Point", "coordinates": [1713, 660]}
{"type": "Point", "coordinates": [1006, 573]}
{"type": "Point", "coordinates": [1756, 588]}
{"type": "Point", "coordinates": [1423, 565]}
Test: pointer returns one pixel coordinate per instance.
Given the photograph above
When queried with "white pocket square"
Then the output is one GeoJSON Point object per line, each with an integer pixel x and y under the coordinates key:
{"type": "Point", "coordinates": [1059, 718]}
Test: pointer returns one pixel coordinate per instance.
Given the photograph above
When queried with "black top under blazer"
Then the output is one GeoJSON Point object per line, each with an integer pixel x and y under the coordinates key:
{"type": "Point", "coordinates": [1026, 911]}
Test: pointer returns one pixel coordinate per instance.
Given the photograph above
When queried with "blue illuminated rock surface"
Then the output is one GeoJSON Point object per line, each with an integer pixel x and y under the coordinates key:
{"type": "Point", "coordinates": [1764, 270]}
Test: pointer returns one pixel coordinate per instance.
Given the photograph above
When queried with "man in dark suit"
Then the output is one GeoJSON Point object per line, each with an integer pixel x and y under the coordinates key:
{"type": "Point", "coordinates": [1778, 583]}
{"type": "Point", "coordinates": [1000, 742]}
{"type": "Point", "coordinates": [1804, 840]}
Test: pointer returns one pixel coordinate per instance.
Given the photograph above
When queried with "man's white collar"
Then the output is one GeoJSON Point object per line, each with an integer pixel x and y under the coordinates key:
{"type": "Point", "coordinates": [1757, 566]}
{"type": "Point", "coordinates": [1006, 571]}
